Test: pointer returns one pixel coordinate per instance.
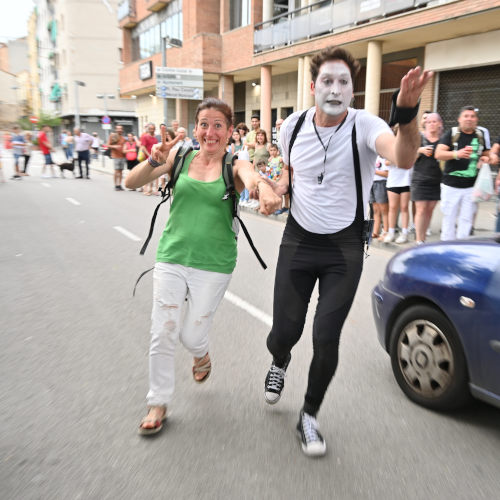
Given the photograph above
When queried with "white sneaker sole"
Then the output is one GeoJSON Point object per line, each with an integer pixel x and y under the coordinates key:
{"type": "Point", "coordinates": [271, 401]}
{"type": "Point", "coordinates": [313, 450]}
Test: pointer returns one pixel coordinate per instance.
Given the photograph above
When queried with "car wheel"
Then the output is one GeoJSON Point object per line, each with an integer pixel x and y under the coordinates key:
{"type": "Point", "coordinates": [427, 359]}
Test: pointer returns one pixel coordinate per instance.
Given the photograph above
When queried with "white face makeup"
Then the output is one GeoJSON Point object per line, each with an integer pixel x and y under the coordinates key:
{"type": "Point", "coordinates": [333, 89]}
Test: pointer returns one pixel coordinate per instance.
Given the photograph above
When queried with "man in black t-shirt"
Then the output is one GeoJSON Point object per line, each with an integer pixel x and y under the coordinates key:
{"type": "Point", "coordinates": [462, 150]}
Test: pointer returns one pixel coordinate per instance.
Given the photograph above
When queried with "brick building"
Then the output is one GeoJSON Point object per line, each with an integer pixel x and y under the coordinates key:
{"type": "Point", "coordinates": [255, 54]}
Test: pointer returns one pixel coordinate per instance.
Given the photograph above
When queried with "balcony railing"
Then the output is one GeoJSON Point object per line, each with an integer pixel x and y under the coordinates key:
{"type": "Point", "coordinates": [328, 17]}
{"type": "Point", "coordinates": [126, 13]}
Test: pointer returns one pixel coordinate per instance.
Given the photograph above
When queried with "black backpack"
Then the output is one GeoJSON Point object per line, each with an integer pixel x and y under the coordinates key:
{"type": "Point", "coordinates": [230, 194]}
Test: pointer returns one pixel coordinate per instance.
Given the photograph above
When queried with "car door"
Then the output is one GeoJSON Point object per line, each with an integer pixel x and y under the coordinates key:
{"type": "Point", "coordinates": [489, 350]}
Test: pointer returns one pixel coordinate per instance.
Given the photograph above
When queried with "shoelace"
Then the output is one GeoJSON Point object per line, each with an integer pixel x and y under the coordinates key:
{"type": "Point", "coordinates": [276, 376]}
{"type": "Point", "coordinates": [310, 427]}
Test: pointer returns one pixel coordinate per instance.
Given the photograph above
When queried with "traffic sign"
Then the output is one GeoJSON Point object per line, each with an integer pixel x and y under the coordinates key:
{"type": "Point", "coordinates": [34, 119]}
{"type": "Point", "coordinates": [106, 126]}
{"type": "Point", "coordinates": [179, 83]}
{"type": "Point", "coordinates": [105, 120]}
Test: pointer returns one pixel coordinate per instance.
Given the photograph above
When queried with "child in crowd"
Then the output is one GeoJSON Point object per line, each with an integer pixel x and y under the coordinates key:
{"type": "Point", "coordinates": [275, 163]}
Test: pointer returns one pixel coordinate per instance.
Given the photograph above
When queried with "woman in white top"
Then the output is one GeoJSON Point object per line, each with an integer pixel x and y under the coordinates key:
{"type": "Point", "coordinates": [379, 200]}
{"type": "Point", "coordinates": [398, 192]}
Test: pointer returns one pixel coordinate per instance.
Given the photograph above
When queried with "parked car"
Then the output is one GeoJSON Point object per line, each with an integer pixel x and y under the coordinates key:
{"type": "Point", "coordinates": [437, 312]}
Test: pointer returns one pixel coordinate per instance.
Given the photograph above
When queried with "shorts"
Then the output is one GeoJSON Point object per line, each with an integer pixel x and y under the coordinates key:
{"type": "Point", "coordinates": [399, 189]}
{"type": "Point", "coordinates": [48, 159]}
{"type": "Point", "coordinates": [378, 192]}
{"type": "Point", "coordinates": [119, 163]}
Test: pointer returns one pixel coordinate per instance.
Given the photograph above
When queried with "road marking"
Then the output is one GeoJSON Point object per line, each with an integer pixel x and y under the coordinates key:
{"type": "Point", "coordinates": [72, 200]}
{"type": "Point", "coordinates": [45, 184]}
{"type": "Point", "coordinates": [126, 233]}
{"type": "Point", "coordinates": [249, 308]}
{"type": "Point", "coordinates": [19, 254]}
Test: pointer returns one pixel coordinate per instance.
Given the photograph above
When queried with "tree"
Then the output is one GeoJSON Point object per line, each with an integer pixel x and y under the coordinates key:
{"type": "Point", "coordinates": [45, 118]}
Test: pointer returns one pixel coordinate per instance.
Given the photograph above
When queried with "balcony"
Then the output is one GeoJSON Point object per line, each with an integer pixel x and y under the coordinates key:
{"type": "Point", "coordinates": [326, 17]}
{"type": "Point", "coordinates": [156, 5]}
{"type": "Point", "coordinates": [127, 14]}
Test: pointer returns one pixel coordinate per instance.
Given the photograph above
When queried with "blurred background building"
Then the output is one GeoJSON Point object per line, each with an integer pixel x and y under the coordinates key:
{"type": "Point", "coordinates": [256, 53]}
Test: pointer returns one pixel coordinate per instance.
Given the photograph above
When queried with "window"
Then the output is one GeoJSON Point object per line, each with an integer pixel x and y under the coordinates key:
{"type": "Point", "coordinates": [239, 13]}
{"type": "Point", "coordinates": [147, 36]}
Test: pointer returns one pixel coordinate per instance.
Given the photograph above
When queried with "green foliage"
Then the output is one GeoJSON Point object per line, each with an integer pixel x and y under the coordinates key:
{"type": "Point", "coordinates": [43, 119]}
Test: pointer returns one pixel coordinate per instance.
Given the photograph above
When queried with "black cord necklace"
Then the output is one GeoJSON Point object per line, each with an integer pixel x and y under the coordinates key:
{"type": "Point", "coordinates": [325, 148]}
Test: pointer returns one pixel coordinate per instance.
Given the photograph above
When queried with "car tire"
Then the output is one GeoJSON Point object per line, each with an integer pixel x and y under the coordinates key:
{"type": "Point", "coordinates": [428, 360]}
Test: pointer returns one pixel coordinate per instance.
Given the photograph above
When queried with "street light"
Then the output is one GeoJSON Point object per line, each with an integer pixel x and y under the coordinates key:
{"type": "Point", "coordinates": [174, 42]}
{"type": "Point", "coordinates": [105, 97]}
{"type": "Point", "coordinates": [77, 83]}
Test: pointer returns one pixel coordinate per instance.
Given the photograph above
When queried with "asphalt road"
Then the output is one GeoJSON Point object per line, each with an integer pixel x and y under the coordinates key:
{"type": "Point", "coordinates": [73, 376]}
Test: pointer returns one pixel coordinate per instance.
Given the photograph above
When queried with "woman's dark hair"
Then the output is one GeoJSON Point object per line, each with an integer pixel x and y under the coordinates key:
{"type": "Point", "coordinates": [261, 131]}
{"type": "Point", "coordinates": [242, 126]}
{"type": "Point", "coordinates": [214, 103]}
{"type": "Point", "coordinates": [331, 54]}
{"type": "Point", "coordinates": [231, 140]}
{"type": "Point", "coordinates": [171, 133]}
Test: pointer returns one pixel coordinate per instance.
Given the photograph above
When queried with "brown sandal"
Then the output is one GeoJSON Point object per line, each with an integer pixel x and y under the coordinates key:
{"type": "Point", "coordinates": [157, 422]}
{"type": "Point", "coordinates": [202, 365]}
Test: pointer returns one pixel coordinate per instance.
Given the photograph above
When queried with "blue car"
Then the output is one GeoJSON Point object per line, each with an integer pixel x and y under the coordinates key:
{"type": "Point", "coordinates": [437, 313]}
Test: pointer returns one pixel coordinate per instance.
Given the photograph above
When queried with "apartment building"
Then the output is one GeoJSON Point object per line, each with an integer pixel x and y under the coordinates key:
{"type": "Point", "coordinates": [79, 58]}
{"type": "Point", "coordinates": [255, 54]}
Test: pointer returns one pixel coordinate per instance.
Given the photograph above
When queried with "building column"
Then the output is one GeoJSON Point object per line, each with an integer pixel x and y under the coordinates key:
{"type": "Point", "coordinates": [308, 99]}
{"type": "Point", "coordinates": [226, 89]}
{"type": "Point", "coordinates": [267, 10]}
{"type": "Point", "coordinates": [265, 98]}
{"type": "Point", "coordinates": [373, 76]}
{"type": "Point", "coordinates": [181, 112]}
{"type": "Point", "coordinates": [300, 84]}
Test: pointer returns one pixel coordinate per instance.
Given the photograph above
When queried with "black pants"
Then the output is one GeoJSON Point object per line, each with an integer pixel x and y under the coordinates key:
{"type": "Point", "coordinates": [336, 260]}
{"type": "Point", "coordinates": [83, 156]}
{"type": "Point", "coordinates": [26, 161]}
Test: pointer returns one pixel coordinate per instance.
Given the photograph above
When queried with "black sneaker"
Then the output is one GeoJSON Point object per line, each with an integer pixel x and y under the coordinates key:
{"type": "Point", "coordinates": [313, 444]}
{"type": "Point", "coordinates": [275, 381]}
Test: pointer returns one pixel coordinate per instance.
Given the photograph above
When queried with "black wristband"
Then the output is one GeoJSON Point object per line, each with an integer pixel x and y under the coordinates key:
{"type": "Point", "coordinates": [401, 115]}
{"type": "Point", "coordinates": [153, 163]}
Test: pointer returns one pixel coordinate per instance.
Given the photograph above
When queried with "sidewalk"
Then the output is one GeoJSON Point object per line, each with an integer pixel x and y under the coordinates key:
{"type": "Point", "coordinates": [484, 224]}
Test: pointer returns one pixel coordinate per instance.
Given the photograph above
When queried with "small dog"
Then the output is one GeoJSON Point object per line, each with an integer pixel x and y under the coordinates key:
{"type": "Point", "coordinates": [67, 165]}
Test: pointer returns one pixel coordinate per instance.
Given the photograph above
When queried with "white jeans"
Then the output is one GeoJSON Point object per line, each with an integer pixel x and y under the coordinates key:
{"type": "Point", "coordinates": [173, 318]}
{"type": "Point", "coordinates": [456, 202]}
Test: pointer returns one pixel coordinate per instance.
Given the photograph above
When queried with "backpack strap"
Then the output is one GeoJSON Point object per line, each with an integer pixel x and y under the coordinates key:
{"type": "Point", "coordinates": [230, 194]}
{"type": "Point", "coordinates": [295, 132]}
{"type": "Point", "coordinates": [166, 192]}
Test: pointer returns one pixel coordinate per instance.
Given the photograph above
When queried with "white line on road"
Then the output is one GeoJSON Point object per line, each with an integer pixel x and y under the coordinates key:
{"type": "Point", "coordinates": [126, 233]}
{"type": "Point", "coordinates": [45, 184]}
{"type": "Point", "coordinates": [249, 308]}
{"type": "Point", "coordinates": [72, 200]}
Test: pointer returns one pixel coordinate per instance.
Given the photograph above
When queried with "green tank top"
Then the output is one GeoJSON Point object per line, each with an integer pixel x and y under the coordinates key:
{"type": "Point", "coordinates": [199, 230]}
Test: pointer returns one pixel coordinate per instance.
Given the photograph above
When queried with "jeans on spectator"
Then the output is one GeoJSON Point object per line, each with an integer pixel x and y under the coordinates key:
{"type": "Point", "coordinates": [83, 156]}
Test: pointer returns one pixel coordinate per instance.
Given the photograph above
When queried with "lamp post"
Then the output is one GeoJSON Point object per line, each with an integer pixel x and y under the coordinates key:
{"type": "Point", "coordinates": [105, 97]}
{"type": "Point", "coordinates": [77, 83]}
{"type": "Point", "coordinates": [174, 42]}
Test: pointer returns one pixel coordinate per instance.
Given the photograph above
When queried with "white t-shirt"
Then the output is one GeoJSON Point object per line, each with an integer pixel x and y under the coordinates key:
{"type": "Point", "coordinates": [398, 177]}
{"type": "Point", "coordinates": [380, 165]}
{"type": "Point", "coordinates": [329, 207]}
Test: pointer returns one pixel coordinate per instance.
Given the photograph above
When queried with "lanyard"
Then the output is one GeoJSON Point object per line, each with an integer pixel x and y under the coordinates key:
{"type": "Point", "coordinates": [325, 148]}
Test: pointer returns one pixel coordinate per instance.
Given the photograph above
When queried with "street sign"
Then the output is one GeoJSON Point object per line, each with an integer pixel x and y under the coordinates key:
{"type": "Point", "coordinates": [106, 126]}
{"type": "Point", "coordinates": [179, 83]}
{"type": "Point", "coordinates": [105, 120]}
{"type": "Point", "coordinates": [34, 119]}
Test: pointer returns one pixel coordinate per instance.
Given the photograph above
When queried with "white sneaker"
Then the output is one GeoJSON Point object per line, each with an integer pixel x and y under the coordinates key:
{"type": "Point", "coordinates": [312, 441]}
{"type": "Point", "coordinates": [389, 238]}
{"type": "Point", "coordinates": [428, 232]}
{"type": "Point", "coordinates": [402, 238]}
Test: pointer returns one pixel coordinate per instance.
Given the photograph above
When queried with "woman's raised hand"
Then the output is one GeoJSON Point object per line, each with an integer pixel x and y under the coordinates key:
{"type": "Point", "coordinates": [160, 151]}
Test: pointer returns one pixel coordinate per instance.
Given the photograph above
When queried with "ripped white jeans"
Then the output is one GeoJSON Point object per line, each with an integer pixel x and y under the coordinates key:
{"type": "Point", "coordinates": [175, 318]}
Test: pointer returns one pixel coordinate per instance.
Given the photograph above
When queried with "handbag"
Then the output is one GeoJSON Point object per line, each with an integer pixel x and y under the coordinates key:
{"type": "Point", "coordinates": [483, 187]}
